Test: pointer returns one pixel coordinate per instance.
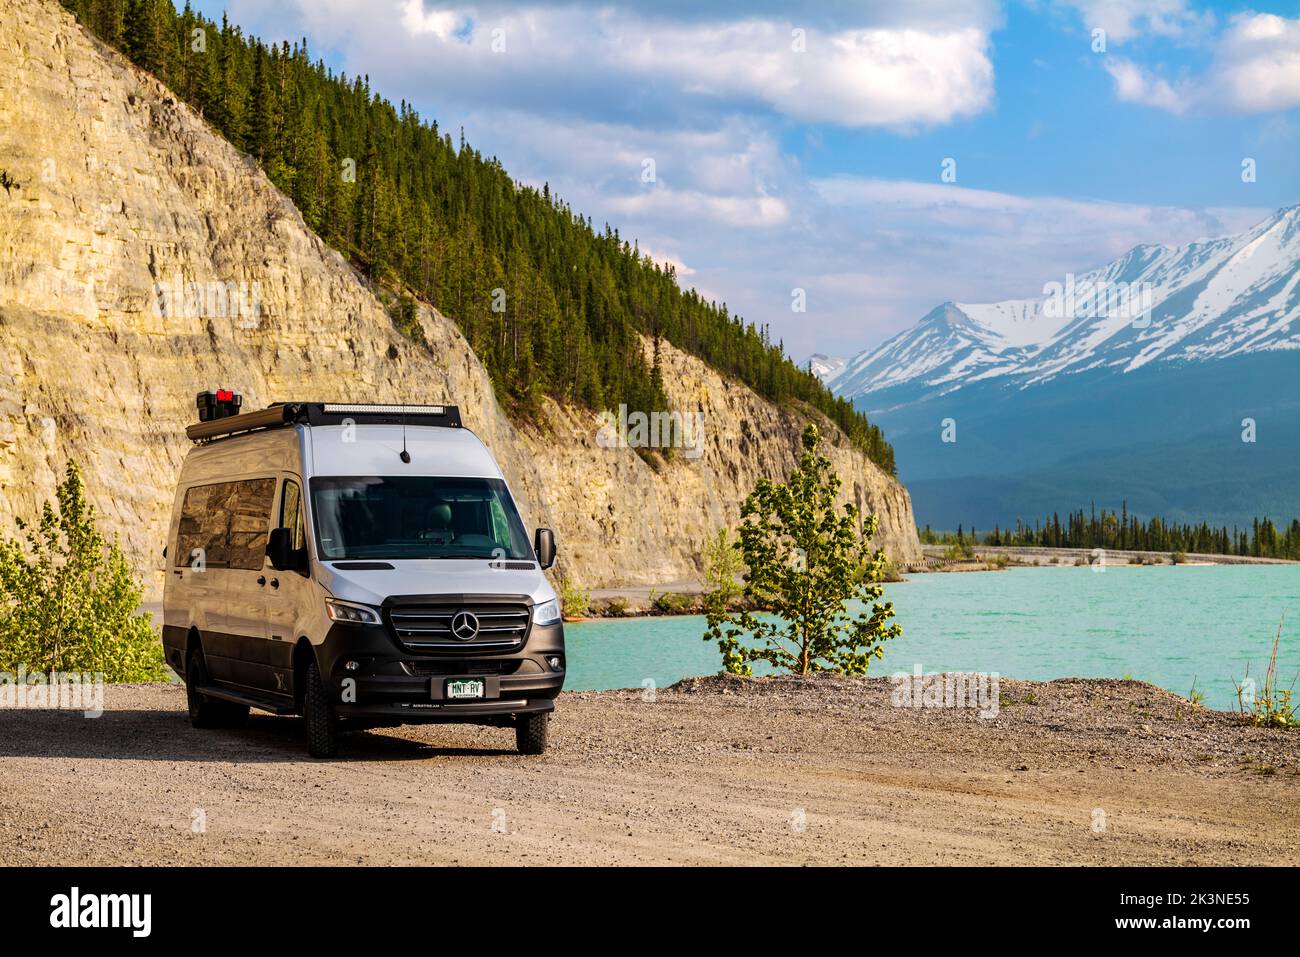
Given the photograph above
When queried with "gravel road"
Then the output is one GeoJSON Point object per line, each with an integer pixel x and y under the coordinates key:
{"type": "Point", "coordinates": [713, 771]}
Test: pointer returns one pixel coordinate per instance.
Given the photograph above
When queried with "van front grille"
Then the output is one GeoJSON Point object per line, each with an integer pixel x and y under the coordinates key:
{"type": "Point", "coordinates": [458, 627]}
{"type": "Point", "coordinates": [463, 666]}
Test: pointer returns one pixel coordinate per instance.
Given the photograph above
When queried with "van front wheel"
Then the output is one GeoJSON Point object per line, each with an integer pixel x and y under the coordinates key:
{"type": "Point", "coordinates": [530, 733]}
{"type": "Point", "coordinates": [322, 724]}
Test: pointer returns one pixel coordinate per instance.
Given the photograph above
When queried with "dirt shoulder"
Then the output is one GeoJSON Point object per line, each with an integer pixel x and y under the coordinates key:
{"type": "Point", "coordinates": [778, 771]}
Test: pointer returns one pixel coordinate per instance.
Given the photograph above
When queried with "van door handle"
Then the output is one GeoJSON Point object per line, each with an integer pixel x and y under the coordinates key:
{"type": "Point", "coordinates": [275, 583]}
{"type": "Point", "coordinates": [261, 579]}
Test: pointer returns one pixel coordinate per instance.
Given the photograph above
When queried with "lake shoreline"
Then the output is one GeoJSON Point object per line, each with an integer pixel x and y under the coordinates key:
{"type": "Point", "coordinates": [687, 597]}
{"type": "Point", "coordinates": [1194, 631]}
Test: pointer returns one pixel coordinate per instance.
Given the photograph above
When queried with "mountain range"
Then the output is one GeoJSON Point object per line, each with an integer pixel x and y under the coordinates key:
{"type": "Point", "coordinates": [1169, 379]}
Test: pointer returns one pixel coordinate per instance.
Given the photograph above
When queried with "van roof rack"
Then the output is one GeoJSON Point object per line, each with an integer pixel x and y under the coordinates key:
{"type": "Point", "coordinates": [323, 413]}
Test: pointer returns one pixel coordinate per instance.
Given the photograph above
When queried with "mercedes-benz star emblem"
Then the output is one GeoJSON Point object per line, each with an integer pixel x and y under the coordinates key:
{"type": "Point", "coordinates": [464, 626]}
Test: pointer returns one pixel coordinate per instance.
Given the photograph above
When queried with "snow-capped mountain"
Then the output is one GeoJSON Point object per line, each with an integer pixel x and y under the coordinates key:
{"type": "Point", "coordinates": [1167, 380]}
{"type": "Point", "coordinates": [1211, 299]}
{"type": "Point", "coordinates": [822, 366]}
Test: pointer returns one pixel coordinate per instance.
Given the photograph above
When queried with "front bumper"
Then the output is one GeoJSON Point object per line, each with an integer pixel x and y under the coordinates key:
{"type": "Point", "coordinates": [391, 683]}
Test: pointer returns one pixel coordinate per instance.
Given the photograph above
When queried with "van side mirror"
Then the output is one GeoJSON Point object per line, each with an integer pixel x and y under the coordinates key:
{"type": "Point", "coordinates": [279, 549]}
{"type": "Point", "coordinates": [544, 546]}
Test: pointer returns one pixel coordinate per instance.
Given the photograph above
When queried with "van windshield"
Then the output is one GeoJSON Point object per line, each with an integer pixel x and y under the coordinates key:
{"type": "Point", "coordinates": [416, 517]}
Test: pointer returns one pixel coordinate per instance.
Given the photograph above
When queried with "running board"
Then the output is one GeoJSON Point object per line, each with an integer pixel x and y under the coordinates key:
{"type": "Point", "coordinates": [239, 697]}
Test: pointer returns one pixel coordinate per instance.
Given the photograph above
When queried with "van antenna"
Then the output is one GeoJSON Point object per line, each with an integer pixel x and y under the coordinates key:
{"type": "Point", "coordinates": [405, 456]}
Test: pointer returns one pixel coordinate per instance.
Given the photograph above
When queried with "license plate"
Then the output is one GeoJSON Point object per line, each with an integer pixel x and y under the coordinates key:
{"type": "Point", "coordinates": [465, 688]}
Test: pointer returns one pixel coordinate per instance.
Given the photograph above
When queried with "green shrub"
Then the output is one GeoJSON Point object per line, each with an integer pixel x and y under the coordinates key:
{"type": "Point", "coordinates": [574, 602]}
{"type": "Point", "coordinates": [676, 603]}
{"type": "Point", "coordinates": [68, 600]}
{"type": "Point", "coordinates": [405, 315]}
{"type": "Point", "coordinates": [959, 552]}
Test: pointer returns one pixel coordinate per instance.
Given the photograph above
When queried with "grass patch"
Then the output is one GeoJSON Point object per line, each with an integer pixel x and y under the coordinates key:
{"type": "Point", "coordinates": [1269, 706]}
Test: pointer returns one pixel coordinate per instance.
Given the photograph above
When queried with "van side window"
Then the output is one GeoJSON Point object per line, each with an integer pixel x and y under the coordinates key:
{"type": "Point", "coordinates": [250, 520]}
{"type": "Point", "coordinates": [201, 539]}
{"type": "Point", "coordinates": [291, 514]}
{"type": "Point", "coordinates": [226, 524]}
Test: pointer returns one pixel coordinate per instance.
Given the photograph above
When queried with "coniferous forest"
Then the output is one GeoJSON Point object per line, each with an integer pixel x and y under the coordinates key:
{"type": "Point", "coordinates": [1125, 532]}
{"type": "Point", "coordinates": [416, 210]}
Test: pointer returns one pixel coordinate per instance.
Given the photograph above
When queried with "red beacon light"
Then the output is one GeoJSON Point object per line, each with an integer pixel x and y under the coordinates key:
{"type": "Point", "coordinates": [218, 405]}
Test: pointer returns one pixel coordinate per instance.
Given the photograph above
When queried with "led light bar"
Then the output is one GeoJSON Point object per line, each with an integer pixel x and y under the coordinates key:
{"type": "Point", "coordinates": [334, 408]}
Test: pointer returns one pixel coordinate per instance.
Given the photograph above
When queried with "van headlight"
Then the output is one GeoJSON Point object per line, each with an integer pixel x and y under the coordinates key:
{"type": "Point", "coordinates": [351, 611]}
{"type": "Point", "coordinates": [547, 613]}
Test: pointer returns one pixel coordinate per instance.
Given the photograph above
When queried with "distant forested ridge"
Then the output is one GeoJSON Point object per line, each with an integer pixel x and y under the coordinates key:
{"type": "Point", "coordinates": [1124, 532]}
{"type": "Point", "coordinates": [416, 211]}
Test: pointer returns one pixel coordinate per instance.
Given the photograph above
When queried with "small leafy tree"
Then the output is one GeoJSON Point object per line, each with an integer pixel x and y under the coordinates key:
{"type": "Point", "coordinates": [722, 565]}
{"type": "Point", "coordinates": [68, 600]}
{"type": "Point", "coordinates": [806, 560]}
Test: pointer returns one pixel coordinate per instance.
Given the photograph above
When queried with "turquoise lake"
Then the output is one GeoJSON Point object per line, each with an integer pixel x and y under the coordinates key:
{"type": "Point", "coordinates": [1169, 625]}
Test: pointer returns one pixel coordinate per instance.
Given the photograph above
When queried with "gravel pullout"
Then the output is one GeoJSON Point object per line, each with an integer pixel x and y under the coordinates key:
{"type": "Point", "coordinates": [713, 770]}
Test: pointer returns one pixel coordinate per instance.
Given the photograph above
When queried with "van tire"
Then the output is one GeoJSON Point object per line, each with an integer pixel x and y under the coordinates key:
{"type": "Point", "coordinates": [322, 724]}
{"type": "Point", "coordinates": [208, 712]}
{"type": "Point", "coordinates": [530, 733]}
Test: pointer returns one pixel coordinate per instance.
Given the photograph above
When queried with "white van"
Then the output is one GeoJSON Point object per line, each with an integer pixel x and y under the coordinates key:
{"type": "Point", "coordinates": [360, 565]}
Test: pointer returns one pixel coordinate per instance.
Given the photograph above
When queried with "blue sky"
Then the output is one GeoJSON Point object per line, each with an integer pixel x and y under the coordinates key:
{"type": "Point", "coordinates": [800, 145]}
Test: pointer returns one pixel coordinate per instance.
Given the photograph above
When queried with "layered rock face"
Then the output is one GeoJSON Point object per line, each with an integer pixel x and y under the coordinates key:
{"type": "Point", "coordinates": [143, 259]}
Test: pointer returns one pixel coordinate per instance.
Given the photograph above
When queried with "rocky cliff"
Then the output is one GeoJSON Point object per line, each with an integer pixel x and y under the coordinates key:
{"type": "Point", "coordinates": [142, 259]}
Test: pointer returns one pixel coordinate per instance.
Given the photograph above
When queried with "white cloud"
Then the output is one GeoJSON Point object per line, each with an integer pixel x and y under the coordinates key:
{"type": "Point", "coordinates": [1133, 84]}
{"type": "Point", "coordinates": [1077, 227]}
{"type": "Point", "coordinates": [876, 77]}
{"type": "Point", "coordinates": [666, 259]}
{"type": "Point", "coordinates": [1257, 65]}
{"type": "Point", "coordinates": [443, 24]}
{"type": "Point", "coordinates": [1125, 20]}
{"type": "Point", "coordinates": [1255, 68]}
{"type": "Point", "coordinates": [741, 211]}
{"type": "Point", "coordinates": [733, 175]}
{"type": "Point", "coordinates": [936, 242]}
{"type": "Point", "coordinates": [603, 59]}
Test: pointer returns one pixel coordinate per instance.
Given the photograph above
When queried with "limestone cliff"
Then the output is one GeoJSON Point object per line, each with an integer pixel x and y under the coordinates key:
{"type": "Point", "coordinates": [125, 196]}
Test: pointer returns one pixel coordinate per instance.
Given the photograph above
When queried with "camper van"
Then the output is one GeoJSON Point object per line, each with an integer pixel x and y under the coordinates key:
{"type": "Point", "coordinates": [360, 565]}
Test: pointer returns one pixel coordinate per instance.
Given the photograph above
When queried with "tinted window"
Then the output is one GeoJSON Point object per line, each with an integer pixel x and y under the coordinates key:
{"type": "Point", "coordinates": [226, 524]}
{"type": "Point", "coordinates": [202, 535]}
{"type": "Point", "coordinates": [291, 514]}
{"type": "Point", "coordinates": [416, 517]}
